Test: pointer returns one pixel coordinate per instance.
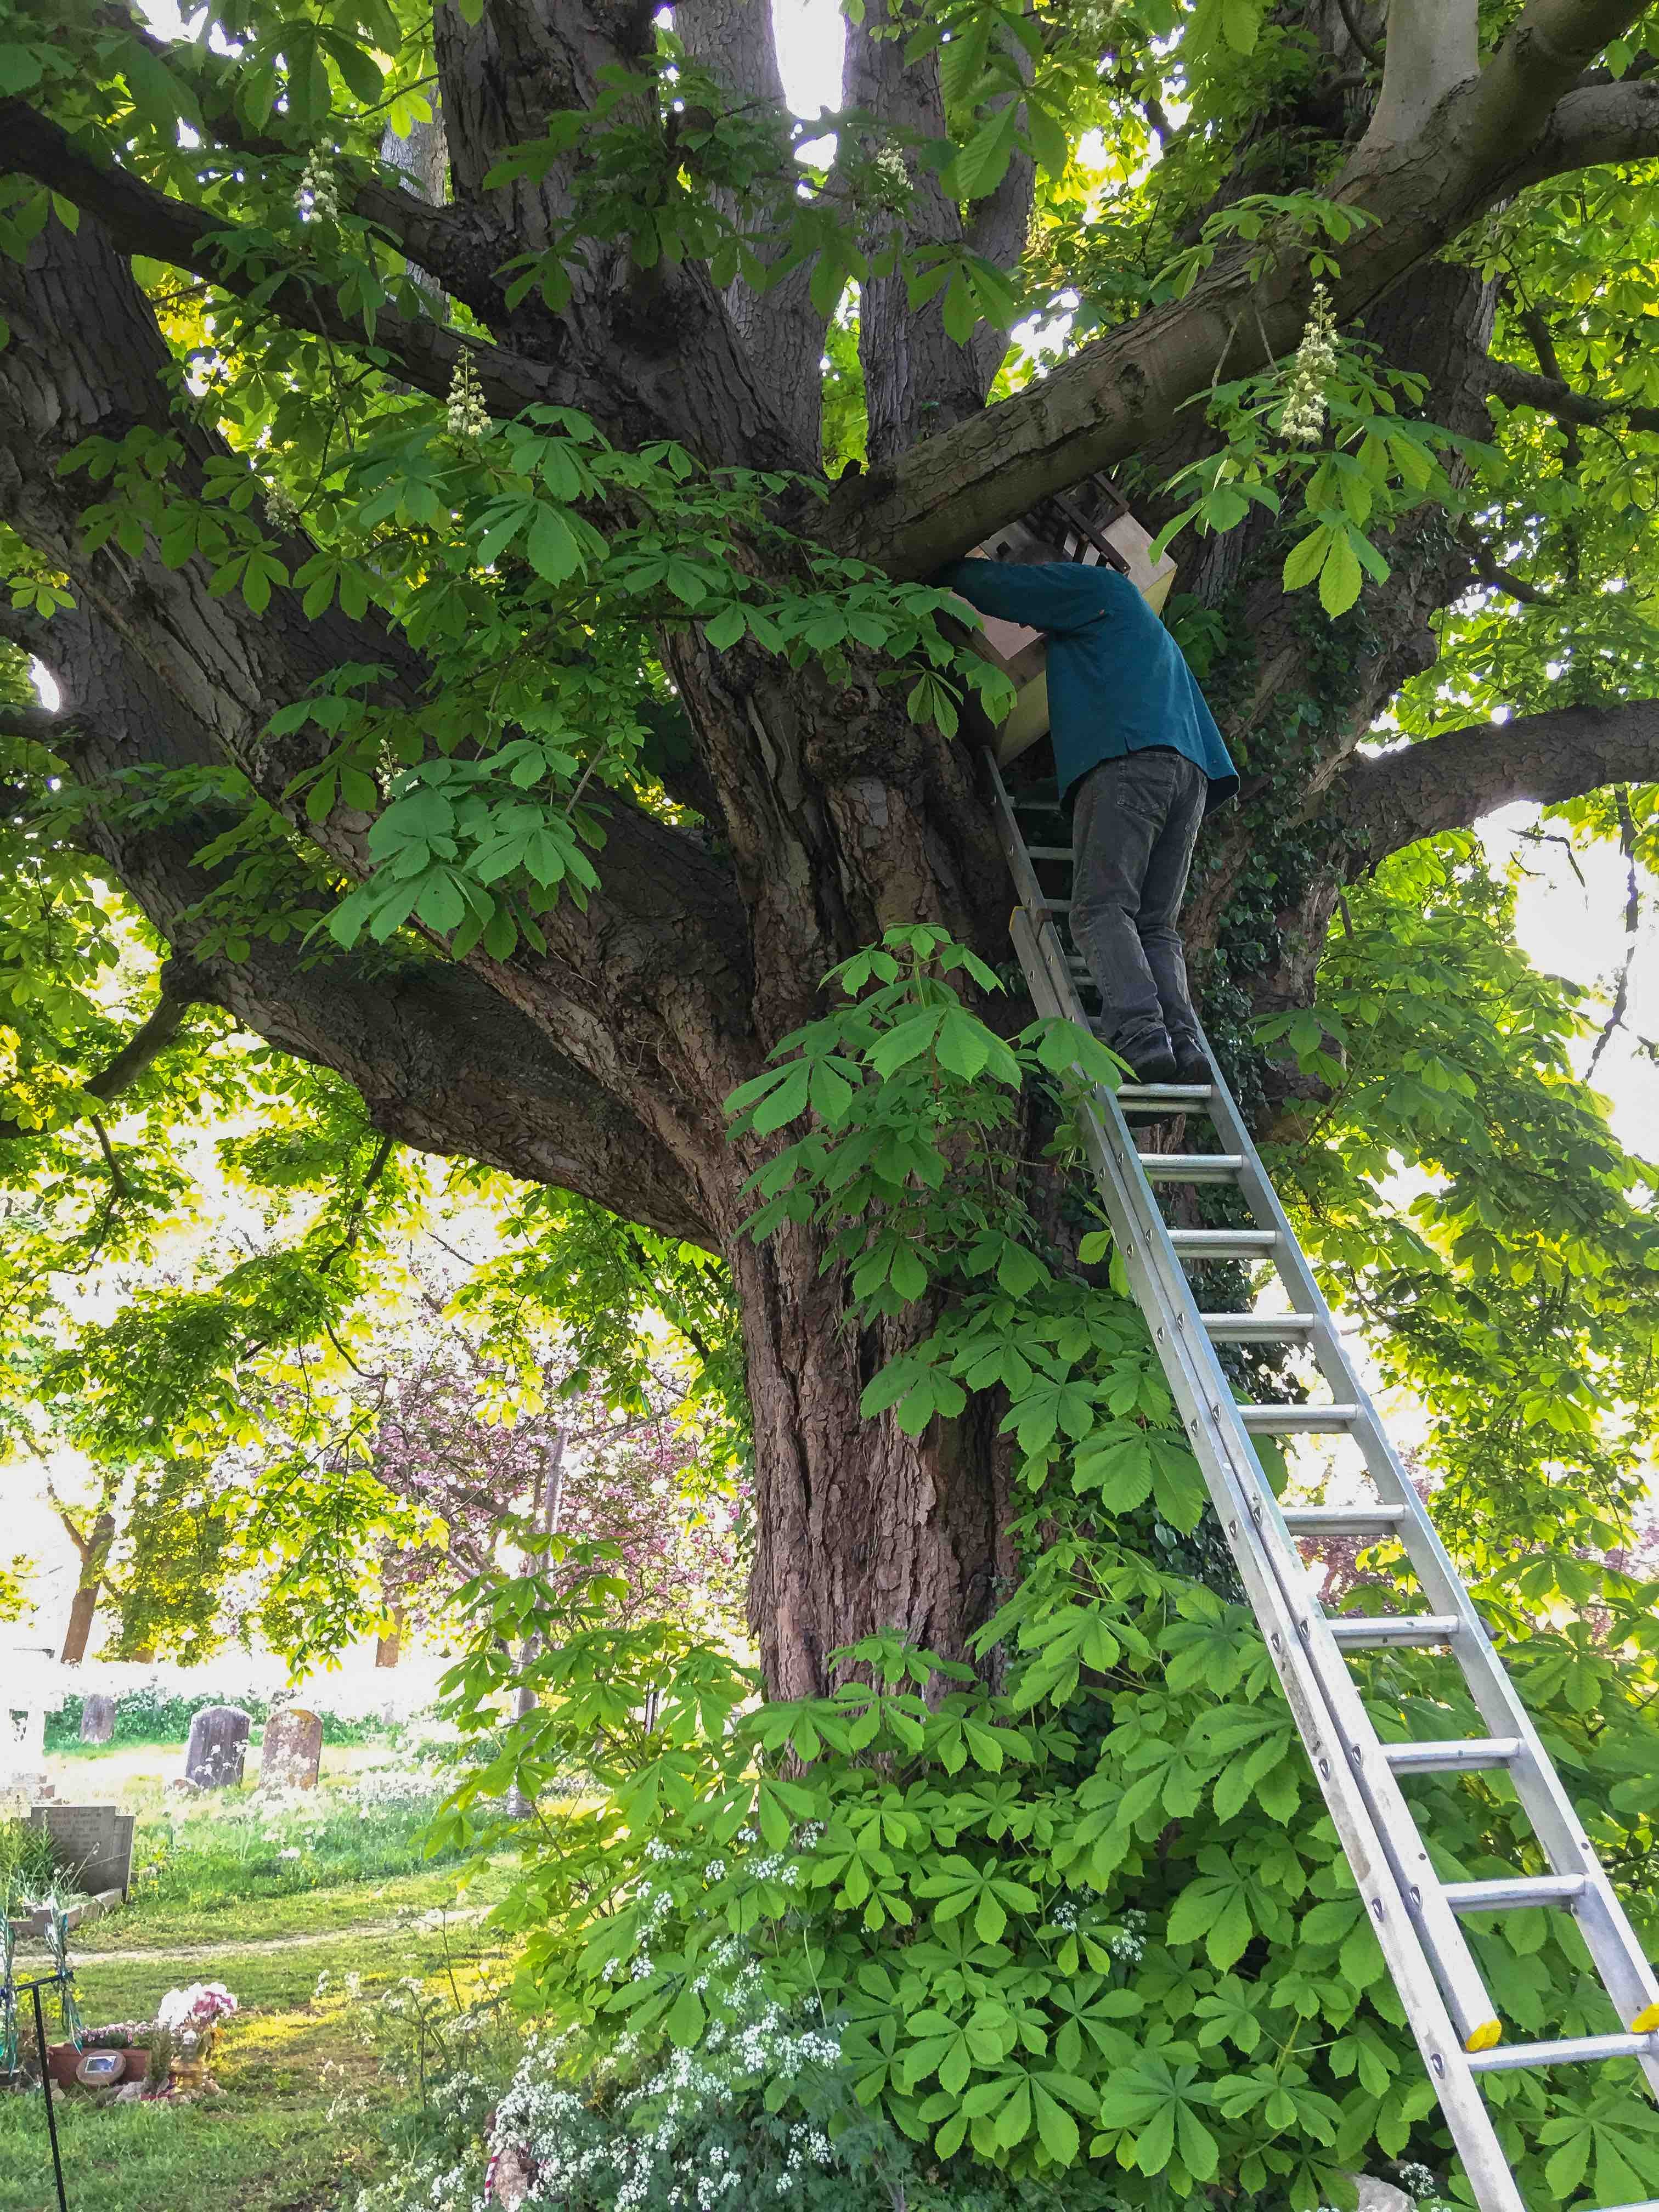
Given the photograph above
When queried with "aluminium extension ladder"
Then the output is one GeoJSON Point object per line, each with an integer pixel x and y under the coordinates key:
{"type": "Point", "coordinates": [1414, 1915]}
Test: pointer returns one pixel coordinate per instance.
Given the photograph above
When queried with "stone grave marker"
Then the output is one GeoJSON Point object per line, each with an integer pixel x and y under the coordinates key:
{"type": "Point", "coordinates": [97, 1718]}
{"type": "Point", "coordinates": [91, 1844]}
{"type": "Point", "coordinates": [218, 1747]}
{"type": "Point", "coordinates": [32, 1688]}
{"type": "Point", "coordinates": [294, 1749]}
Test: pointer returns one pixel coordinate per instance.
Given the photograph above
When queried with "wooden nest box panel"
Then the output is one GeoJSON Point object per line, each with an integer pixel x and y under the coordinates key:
{"type": "Point", "coordinates": [1090, 525]}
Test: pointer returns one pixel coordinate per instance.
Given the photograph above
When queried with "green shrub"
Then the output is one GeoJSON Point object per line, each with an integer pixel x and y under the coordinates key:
{"type": "Point", "coordinates": [1076, 1914]}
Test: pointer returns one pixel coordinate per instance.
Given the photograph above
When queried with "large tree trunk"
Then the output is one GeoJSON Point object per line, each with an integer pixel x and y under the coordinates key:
{"type": "Point", "coordinates": [861, 1528]}
{"type": "Point", "coordinates": [603, 1065]}
{"type": "Point", "coordinates": [94, 1551]}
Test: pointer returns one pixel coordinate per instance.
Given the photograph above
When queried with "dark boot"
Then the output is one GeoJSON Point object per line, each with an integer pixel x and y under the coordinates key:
{"type": "Point", "coordinates": [1154, 1063]}
{"type": "Point", "coordinates": [1190, 1064]}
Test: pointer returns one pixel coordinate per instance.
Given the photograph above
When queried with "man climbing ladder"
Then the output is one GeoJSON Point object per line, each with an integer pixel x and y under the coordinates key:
{"type": "Point", "coordinates": [1416, 1915]}
{"type": "Point", "coordinates": [1139, 763]}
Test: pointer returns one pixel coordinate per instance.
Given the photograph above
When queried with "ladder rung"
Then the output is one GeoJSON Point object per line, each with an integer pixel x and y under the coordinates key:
{"type": "Point", "coordinates": [1344, 1520]}
{"type": "Point", "coordinates": [1298, 1420]}
{"type": "Point", "coordinates": [1569, 2051]}
{"type": "Point", "coordinates": [1519, 1891]}
{"type": "Point", "coordinates": [1397, 1628]}
{"type": "Point", "coordinates": [1453, 1754]}
{"type": "Point", "coordinates": [1190, 1167]}
{"type": "Point", "coordinates": [1051, 851]}
{"type": "Point", "coordinates": [1036, 805]}
{"type": "Point", "coordinates": [1061, 906]}
{"type": "Point", "coordinates": [1256, 1328]}
{"type": "Point", "coordinates": [1223, 1243]}
{"type": "Point", "coordinates": [1160, 1097]}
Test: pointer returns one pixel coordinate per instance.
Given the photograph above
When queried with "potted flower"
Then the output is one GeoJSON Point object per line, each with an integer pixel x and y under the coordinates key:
{"type": "Point", "coordinates": [192, 2017]}
{"type": "Point", "coordinates": [124, 2035]}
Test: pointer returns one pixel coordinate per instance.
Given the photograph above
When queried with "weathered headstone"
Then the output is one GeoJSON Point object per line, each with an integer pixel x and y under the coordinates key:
{"type": "Point", "coordinates": [33, 1687]}
{"type": "Point", "coordinates": [97, 1718]}
{"type": "Point", "coordinates": [91, 1844]}
{"type": "Point", "coordinates": [218, 1747]}
{"type": "Point", "coordinates": [294, 1749]}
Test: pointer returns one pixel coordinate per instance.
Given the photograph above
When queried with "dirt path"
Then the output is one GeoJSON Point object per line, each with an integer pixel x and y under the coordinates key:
{"type": "Point", "coordinates": [192, 1954]}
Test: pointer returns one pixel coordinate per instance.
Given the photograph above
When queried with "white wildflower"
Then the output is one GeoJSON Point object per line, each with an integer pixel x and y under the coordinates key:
{"type": "Point", "coordinates": [893, 187]}
{"type": "Point", "coordinates": [318, 197]}
{"type": "Point", "coordinates": [282, 512]}
{"type": "Point", "coordinates": [468, 415]}
{"type": "Point", "coordinates": [1304, 417]}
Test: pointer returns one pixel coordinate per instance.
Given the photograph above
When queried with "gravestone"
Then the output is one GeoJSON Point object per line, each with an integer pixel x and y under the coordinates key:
{"type": "Point", "coordinates": [31, 1687]}
{"type": "Point", "coordinates": [97, 1719]}
{"type": "Point", "coordinates": [91, 1844]}
{"type": "Point", "coordinates": [294, 1749]}
{"type": "Point", "coordinates": [218, 1747]}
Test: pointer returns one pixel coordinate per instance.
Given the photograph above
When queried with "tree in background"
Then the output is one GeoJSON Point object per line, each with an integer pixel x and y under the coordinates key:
{"type": "Point", "coordinates": [376, 1489]}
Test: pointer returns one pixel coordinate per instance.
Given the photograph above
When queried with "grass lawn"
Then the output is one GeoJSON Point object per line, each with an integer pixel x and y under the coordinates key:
{"type": "Point", "coordinates": [295, 2126]}
{"type": "Point", "coordinates": [170, 1925]}
{"type": "Point", "coordinates": [298, 2126]}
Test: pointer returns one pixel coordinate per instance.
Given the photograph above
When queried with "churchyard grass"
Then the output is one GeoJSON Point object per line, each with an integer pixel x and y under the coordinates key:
{"type": "Point", "coordinates": [309, 1944]}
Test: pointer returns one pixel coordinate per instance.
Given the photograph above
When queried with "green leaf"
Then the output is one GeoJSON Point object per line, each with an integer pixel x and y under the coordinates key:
{"type": "Point", "coordinates": [785, 1102]}
{"type": "Point", "coordinates": [686, 2019]}
{"type": "Point", "coordinates": [20, 69]}
{"type": "Point", "coordinates": [551, 547]}
{"type": "Point", "coordinates": [1341, 577]}
{"type": "Point", "coordinates": [726, 628]}
{"type": "Point", "coordinates": [978, 168]}
{"type": "Point", "coordinates": [1304, 561]}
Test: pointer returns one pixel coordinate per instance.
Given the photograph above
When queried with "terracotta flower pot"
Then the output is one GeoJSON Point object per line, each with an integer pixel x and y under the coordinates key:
{"type": "Point", "coordinates": [137, 2058]}
{"type": "Point", "coordinates": [62, 2059]}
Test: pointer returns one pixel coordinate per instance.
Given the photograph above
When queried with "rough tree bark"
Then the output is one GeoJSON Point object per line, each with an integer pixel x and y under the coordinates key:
{"type": "Point", "coordinates": [602, 1066]}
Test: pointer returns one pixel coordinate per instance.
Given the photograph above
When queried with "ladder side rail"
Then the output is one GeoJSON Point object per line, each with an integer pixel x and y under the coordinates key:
{"type": "Point", "coordinates": [1230, 1476]}
{"type": "Point", "coordinates": [1628, 1977]}
{"type": "Point", "coordinates": [1139, 1228]}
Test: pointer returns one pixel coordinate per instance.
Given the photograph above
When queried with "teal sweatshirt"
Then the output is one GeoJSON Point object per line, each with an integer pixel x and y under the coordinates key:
{"type": "Point", "coordinates": [1118, 682]}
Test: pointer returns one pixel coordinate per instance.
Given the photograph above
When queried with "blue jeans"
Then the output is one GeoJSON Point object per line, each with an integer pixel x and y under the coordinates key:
{"type": "Point", "coordinates": [1134, 824]}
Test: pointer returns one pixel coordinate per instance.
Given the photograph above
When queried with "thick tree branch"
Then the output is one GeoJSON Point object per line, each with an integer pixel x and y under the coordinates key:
{"type": "Point", "coordinates": [139, 219]}
{"type": "Point", "coordinates": [1123, 393]}
{"type": "Point", "coordinates": [641, 993]}
{"type": "Point", "coordinates": [781, 331]}
{"type": "Point", "coordinates": [1449, 782]}
{"type": "Point", "coordinates": [1519, 387]}
{"type": "Point", "coordinates": [1491, 571]}
{"type": "Point", "coordinates": [144, 1046]}
{"type": "Point", "coordinates": [443, 1062]}
{"type": "Point", "coordinates": [1433, 46]}
{"type": "Point", "coordinates": [1586, 127]}
{"type": "Point", "coordinates": [916, 376]}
